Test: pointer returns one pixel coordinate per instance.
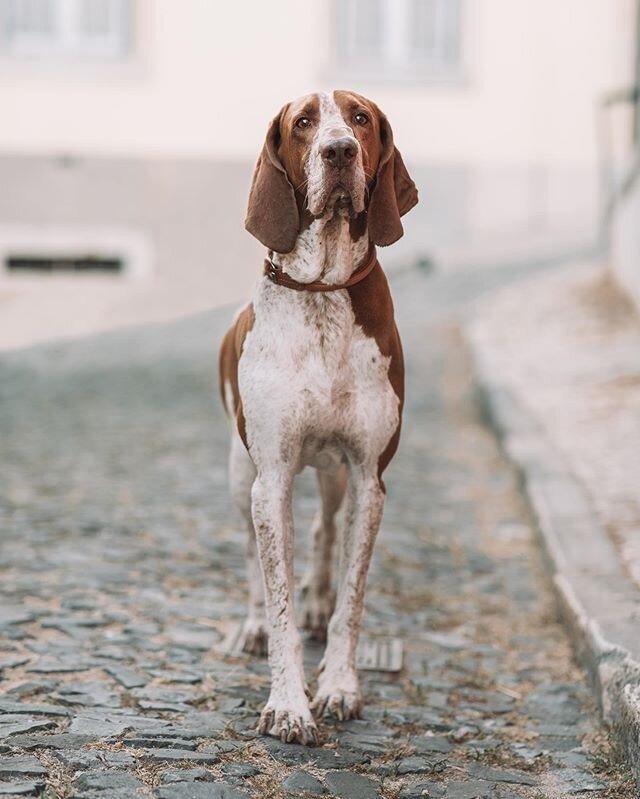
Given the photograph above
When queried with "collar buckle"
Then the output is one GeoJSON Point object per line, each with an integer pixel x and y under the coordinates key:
{"type": "Point", "coordinates": [272, 271]}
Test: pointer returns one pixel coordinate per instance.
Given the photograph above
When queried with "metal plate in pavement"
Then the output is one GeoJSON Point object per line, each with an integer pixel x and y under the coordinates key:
{"type": "Point", "coordinates": [374, 654]}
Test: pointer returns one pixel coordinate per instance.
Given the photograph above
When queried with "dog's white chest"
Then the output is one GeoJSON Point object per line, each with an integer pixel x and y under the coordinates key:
{"type": "Point", "coordinates": [310, 376]}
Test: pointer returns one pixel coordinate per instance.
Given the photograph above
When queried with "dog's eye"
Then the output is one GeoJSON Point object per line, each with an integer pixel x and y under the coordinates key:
{"type": "Point", "coordinates": [303, 123]}
{"type": "Point", "coordinates": [361, 118]}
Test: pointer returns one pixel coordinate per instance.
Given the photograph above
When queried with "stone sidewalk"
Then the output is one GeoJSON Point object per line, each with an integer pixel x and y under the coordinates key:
{"type": "Point", "coordinates": [558, 360]}
{"type": "Point", "coordinates": [572, 353]}
{"type": "Point", "coordinates": [121, 572]}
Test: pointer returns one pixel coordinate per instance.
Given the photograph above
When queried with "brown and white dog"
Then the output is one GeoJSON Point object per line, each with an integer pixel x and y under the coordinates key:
{"type": "Point", "coordinates": [312, 375]}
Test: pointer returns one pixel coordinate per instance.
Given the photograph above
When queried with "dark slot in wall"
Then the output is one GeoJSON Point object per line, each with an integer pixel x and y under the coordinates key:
{"type": "Point", "coordinates": [43, 263]}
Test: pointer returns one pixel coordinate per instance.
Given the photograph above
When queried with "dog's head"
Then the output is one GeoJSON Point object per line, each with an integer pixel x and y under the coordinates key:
{"type": "Point", "coordinates": [326, 154]}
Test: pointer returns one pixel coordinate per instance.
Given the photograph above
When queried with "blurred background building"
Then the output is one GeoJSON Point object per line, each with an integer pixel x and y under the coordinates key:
{"type": "Point", "coordinates": [129, 129]}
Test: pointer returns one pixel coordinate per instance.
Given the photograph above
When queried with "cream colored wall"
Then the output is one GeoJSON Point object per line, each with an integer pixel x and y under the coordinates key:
{"type": "Point", "coordinates": [536, 70]}
{"type": "Point", "coordinates": [206, 80]}
{"type": "Point", "coordinates": [209, 75]}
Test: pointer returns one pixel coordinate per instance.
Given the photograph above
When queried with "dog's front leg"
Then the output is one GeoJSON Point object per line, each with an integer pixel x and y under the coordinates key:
{"type": "Point", "coordinates": [287, 714]}
{"type": "Point", "coordinates": [318, 598]}
{"type": "Point", "coordinates": [338, 687]}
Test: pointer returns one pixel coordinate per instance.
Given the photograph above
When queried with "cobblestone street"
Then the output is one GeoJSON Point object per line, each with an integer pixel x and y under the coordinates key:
{"type": "Point", "coordinates": [122, 572]}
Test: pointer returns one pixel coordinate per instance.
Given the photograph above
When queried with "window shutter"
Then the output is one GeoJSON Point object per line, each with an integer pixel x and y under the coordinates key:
{"type": "Point", "coordinates": [101, 26]}
{"type": "Point", "coordinates": [399, 39]}
{"type": "Point", "coordinates": [435, 32]}
{"type": "Point", "coordinates": [29, 26]}
{"type": "Point", "coordinates": [84, 29]}
{"type": "Point", "coordinates": [30, 17]}
{"type": "Point", "coordinates": [360, 30]}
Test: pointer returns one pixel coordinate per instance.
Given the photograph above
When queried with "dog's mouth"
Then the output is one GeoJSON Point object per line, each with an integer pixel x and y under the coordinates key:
{"type": "Point", "coordinates": [336, 191]}
{"type": "Point", "coordinates": [344, 200]}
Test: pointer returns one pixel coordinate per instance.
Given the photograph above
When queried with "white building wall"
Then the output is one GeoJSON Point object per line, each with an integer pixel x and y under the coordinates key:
{"type": "Point", "coordinates": [162, 146]}
{"type": "Point", "coordinates": [625, 244]}
{"type": "Point", "coordinates": [207, 77]}
{"type": "Point", "coordinates": [508, 153]}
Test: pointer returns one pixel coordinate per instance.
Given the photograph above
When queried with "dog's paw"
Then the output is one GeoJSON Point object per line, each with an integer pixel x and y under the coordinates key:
{"type": "Point", "coordinates": [338, 697]}
{"type": "Point", "coordinates": [316, 611]}
{"type": "Point", "coordinates": [254, 638]}
{"type": "Point", "coordinates": [289, 725]}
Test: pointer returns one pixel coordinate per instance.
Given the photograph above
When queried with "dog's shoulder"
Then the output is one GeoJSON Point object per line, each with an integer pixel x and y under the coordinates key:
{"type": "Point", "coordinates": [373, 311]}
{"type": "Point", "coordinates": [230, 352]}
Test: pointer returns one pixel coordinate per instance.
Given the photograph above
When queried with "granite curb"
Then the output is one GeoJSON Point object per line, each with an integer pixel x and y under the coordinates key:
{"type": "Point", "coordinates": [597, 602]}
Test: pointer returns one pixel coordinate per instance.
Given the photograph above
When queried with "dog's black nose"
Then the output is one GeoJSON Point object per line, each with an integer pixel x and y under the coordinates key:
{"type": "Point", "coordinates": [340, 152]}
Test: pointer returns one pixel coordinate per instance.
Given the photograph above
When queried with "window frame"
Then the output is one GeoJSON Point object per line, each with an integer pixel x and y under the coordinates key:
{"type": "Point", "coordinates": [398, 65]}
{"type": "Point", "coordinates": [66, 42]}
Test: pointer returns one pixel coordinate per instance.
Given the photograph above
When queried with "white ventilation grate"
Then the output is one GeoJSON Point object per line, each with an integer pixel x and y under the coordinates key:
{"type": "Point", "coordinates": [28, 250]}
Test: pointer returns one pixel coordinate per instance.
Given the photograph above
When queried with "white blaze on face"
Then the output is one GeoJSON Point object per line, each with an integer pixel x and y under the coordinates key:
{"type": "Point", "coordinates": [321, 178]}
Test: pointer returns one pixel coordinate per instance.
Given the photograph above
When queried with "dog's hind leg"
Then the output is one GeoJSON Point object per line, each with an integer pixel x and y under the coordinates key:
{"type": "Point", "coordinates": [318, 597]}
{"type": "Point", "coordinates": [242, 473]}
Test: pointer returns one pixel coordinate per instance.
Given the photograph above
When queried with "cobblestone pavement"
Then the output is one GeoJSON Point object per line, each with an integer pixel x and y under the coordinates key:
{"type": "Point", "coordinates": [121, 571]}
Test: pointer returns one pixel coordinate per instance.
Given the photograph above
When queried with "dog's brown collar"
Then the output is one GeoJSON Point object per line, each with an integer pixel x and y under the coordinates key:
{"type": "Point", "coordinates": [280, 278]}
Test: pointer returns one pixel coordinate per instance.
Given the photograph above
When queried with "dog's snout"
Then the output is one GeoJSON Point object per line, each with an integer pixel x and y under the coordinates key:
{"type": "Point", "coordinates": [340, 152]}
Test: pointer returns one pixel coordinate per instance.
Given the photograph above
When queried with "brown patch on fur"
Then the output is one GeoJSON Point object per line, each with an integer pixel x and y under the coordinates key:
{"type": "Point", "coordinates": [272, 212]}
{"type": "Point", "coordinates": [373, 310]}
{"type": "Point", "coordinates": [369, 136]}
{"type": "Point", "coordinates": [358, 226]}
{"type": "Point", "coordinates": [295, 142]}
{"type": "Point", "coordinates": [393, 192]}
{"type": "Point", "coordinates": [230, 352]}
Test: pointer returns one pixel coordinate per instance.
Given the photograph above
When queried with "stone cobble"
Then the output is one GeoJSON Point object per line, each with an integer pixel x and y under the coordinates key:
{"type": "Point", "coordinates": [122, 572]}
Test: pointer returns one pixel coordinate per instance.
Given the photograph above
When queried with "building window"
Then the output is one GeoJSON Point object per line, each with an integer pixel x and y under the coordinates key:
{"type": "Point", "coordinates": [96, 30]}
{"type": "Point", "coordinates": [400, 39]}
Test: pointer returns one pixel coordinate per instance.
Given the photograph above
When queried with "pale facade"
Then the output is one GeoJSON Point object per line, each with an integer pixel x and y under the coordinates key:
{"type": "Point", "coordinates": [493, 103]}
{"type": "Point", "coordinates": [200, 78]}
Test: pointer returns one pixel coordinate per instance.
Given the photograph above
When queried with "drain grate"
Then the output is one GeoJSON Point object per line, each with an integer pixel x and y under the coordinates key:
{"type": "Point", "coordinates": [374, 654]}
{"type": "Point", "coordinates": [380, 654]}
{"type": "Point", "coordinates": [59, 263]}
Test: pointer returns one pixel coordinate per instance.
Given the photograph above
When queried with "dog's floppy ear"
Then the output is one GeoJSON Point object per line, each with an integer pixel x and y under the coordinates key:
{"type": "Point", "coordinates": [272, 213]}
{"type": "Point", "coordinates": [394, 193]}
